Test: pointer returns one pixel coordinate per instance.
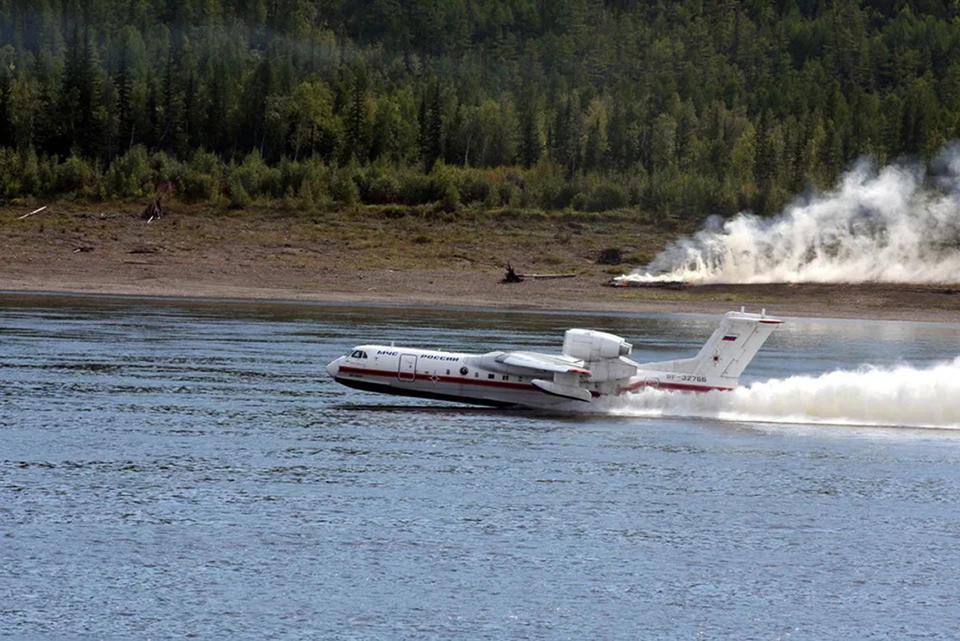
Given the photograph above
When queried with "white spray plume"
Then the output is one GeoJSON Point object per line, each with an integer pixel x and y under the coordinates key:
{"type": "Point", "coordinates": [902, 396]}
{"type": "Point", "coordinates": [891, 225]}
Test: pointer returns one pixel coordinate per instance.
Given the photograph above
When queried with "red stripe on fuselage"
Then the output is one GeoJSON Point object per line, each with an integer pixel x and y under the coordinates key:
{"type": "Point", "coordinates": [676, 387]}
{"type": "Point", "coordinates": [523, 387]}
{"type": "Point", "coordinates": [460, 380]}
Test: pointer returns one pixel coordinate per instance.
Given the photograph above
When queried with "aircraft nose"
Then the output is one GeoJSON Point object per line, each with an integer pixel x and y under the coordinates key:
{"type": "Point", "coordinates": [333, 367]}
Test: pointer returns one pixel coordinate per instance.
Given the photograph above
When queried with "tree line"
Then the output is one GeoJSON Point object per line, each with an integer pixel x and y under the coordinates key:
{"type": "Point", "coordinates": [681, 107]}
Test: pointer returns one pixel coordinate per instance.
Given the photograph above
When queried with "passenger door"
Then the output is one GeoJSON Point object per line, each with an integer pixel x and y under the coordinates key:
{"type": "Point", "coordinates": [408, 367]}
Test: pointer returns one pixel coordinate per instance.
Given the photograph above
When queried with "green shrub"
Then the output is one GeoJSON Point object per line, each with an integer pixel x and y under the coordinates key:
{"type": "Point", "coordinates": [205, 162]}
{"type": "Point", "coordinates": [130, 174]}
{"type": "Point", "coordinates": [201, 177]}
{"type": "Point", "coordinates": [258, 179]}
{"type": "Point", "coordinates": [73, 174]}
{"type": "Point", "coordinates": [167, 169]}
{"type": "Point", "coordinates": [605, 197]}
{"type": "Point", "coordinates": [379, 186]}
{"type": "Point", "coordinates": [450, 197]}
{"type": "Point", "coordinates": [30, 174]}
{"type": "Point", "coordinates": [315, 181]}
{"type": "Point", "coordinates": [10, 172]}
{"type": "Point", "coordinates": [200, 187]}
{"type": "Point", "coordinates": [344, 188]}
{"type": "Point", "coordinates": [415, 188]}
{"type": "Point", "coordinates": [506, 195]}
{"type": "Point", "coordinates": [47, 172]}
{"type": "Point", "coordinates": [579, 202]}
{"type": "Point", "coordinates": [292, 173]}
{"type": "Point", "coordinates": [473, 189]}
{"type": "Point", "coordinates": [443, 187]}
{"type": "Point", "coordinates": [237, 196]}
{"type": "Point", "coordinates": [560, 198]}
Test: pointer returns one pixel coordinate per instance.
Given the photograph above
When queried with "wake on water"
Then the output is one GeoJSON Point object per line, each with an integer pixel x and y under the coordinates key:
{"type": "Point", "coordinates": [896, 224]}
{"type": "Point", "coordinates": [892, 225]}
{"type": "Point", "coordinates": [902, 396]}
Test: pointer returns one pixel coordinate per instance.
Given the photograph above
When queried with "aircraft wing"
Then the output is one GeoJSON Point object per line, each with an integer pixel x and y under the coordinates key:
{"type": "Point", "coordinates": [541, 363]}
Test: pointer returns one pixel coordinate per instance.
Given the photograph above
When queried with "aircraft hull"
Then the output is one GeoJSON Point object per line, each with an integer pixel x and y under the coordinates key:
{"type": "Point", "coordinates": [436, 395]}
{"type": "Point", "coordinates": [592, 366]}
{"type": "Point", "coordinates": [482, 390]}
{"type": "Point", "coordinates": [459, 389]}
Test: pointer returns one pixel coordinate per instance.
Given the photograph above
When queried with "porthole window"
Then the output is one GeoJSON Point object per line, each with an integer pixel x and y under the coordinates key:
{"type": "Point", "coordinates": [463, 371]}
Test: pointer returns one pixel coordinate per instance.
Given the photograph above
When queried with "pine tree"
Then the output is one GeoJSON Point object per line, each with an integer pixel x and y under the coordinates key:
{"type": "Point", "coordinates": [82, 115]}
{"type": "Point", "coordinates": [259, 87]}
{"type": "Point", "coordinates": [356, 145]}
{"type": "Point", "coordinates": [173, 125]}
{"type": "Point", "coordinates": [6, 123]}
{"type": "Point", "coordinates": [531, 145]}
{"type": "Point", "coordinates": [422, 130]}
{"type": "Point", "coordinates": [498, 82]}
{"type": "Point", "coordinates": [432, 128]}
{"type": "Point", "coordinates": [566, 136]}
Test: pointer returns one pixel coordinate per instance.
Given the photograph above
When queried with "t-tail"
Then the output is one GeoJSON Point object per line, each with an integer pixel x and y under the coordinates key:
{"type": "Point", "coordinates": [726, 353]}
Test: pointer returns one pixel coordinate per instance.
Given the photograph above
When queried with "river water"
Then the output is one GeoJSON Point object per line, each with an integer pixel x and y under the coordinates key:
{"type": "Point", "coordinates": [173, 469]}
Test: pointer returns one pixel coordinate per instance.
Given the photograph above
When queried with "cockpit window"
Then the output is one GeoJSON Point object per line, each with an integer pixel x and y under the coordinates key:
{"type": "Point", "coordinates": [358, 353]}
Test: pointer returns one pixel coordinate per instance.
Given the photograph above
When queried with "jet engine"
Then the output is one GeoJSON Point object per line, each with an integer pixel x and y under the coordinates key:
{"type": "Point", "coordinates": [589, 345]}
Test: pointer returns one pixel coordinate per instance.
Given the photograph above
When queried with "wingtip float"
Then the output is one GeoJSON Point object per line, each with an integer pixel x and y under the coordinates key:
{"type": "Point", "coordinates": [591, 365]}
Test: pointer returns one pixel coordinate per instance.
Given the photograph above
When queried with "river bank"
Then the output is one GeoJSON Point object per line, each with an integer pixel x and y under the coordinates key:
{"type": "Point", "coordinates": [394, 257]}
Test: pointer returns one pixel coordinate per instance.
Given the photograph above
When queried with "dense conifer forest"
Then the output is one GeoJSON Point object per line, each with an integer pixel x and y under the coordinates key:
{"type": "Point", "coordinates": [682, 108]}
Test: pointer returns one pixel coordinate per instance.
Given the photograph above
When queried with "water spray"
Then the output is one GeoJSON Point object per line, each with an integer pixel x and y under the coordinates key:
{"type": "Point", "coordinates": [902, 396]}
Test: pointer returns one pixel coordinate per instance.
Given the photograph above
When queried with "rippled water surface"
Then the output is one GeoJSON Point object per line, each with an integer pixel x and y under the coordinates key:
{"type": "Point", "coordinates": [171, 469]}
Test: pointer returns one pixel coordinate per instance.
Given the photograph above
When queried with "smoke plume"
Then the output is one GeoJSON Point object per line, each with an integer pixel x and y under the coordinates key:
{"type": "Point", "coordinates": [897, 225]}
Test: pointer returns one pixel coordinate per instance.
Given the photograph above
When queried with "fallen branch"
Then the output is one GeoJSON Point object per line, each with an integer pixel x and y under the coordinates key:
{"type": "Point", "coordinates": [513, 277]}
{"type": "Point", "coordinates": [547, 275]}
{"type": "Point", "coordinates": [35, 211]}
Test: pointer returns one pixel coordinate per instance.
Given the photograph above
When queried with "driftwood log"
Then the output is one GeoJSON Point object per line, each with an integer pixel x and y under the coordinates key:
{"type": "Point", "coordinates": [513, 277]}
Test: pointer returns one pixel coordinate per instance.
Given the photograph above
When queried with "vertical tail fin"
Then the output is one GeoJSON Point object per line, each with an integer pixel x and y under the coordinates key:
{"type": "Point", "coordinates": [729, 349]}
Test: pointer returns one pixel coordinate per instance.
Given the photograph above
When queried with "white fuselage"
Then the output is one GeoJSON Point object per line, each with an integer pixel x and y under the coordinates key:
{"type": "Point", "coordinates": [591, 365]}
{"type": "Point", "coordinates": [480, 379]}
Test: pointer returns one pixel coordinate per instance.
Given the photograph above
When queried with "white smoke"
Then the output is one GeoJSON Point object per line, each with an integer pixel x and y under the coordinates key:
{"type": "Point", "coordinates": [903, 396]}
{"type": "Point", "coordinates": [888, 226]}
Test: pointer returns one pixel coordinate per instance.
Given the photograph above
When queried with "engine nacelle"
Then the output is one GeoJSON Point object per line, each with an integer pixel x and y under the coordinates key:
{"type": "Point", "coordinates": [589, 345]}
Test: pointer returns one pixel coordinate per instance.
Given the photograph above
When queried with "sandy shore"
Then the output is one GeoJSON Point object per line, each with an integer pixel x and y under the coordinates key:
{"type": "Point", "coordinates": [269, 258]}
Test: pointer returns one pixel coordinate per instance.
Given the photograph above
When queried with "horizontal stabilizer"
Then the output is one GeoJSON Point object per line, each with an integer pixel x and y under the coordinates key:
{"type": "Point", "coordinates": [565, 391]}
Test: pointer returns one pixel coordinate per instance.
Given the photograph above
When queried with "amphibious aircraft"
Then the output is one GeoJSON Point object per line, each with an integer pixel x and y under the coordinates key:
{"type": "Point", "coordinates": [591, 365]}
